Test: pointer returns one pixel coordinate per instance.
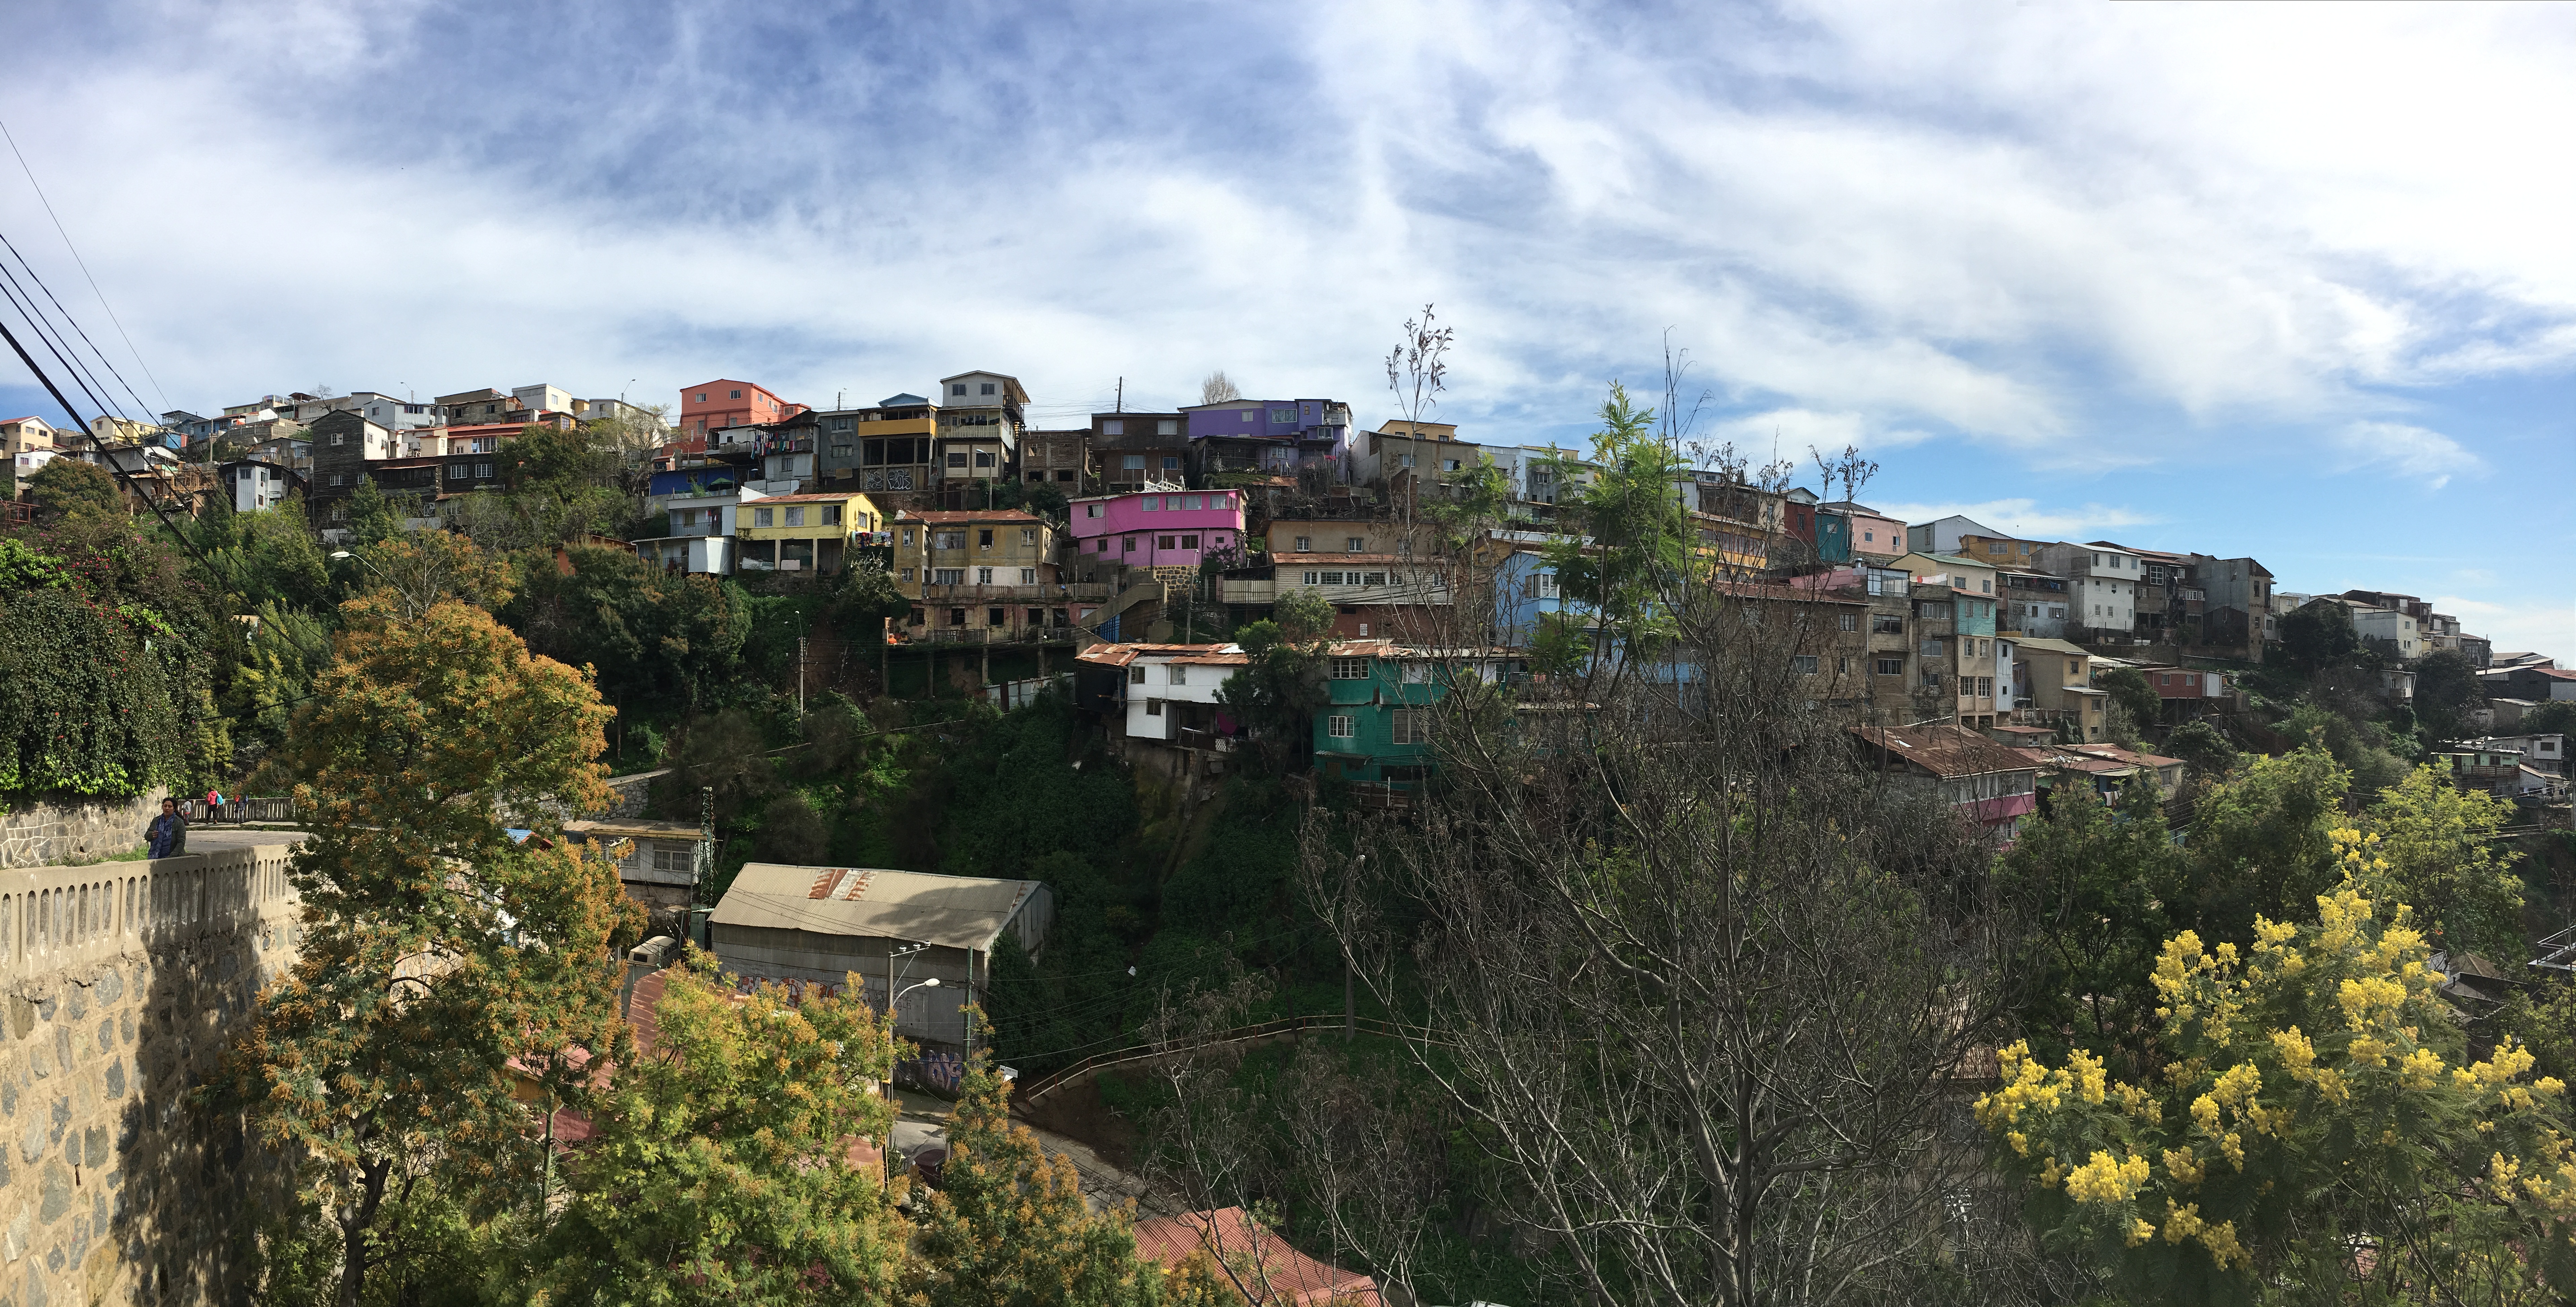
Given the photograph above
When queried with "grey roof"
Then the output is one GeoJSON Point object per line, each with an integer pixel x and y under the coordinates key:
{"type": "Point", "coordinates": [906, 400]}
{"type": "Point", "coordinates": [965, 912]}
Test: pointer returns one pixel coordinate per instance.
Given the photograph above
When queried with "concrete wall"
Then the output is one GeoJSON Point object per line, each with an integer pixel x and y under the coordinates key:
{"type": "Point", "coordinates": [120, 984]}
{"type": "Point", "coordinates": [44, 834]}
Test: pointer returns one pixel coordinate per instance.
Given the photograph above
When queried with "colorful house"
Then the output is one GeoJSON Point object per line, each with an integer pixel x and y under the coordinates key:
{"type": "Point", "coordinates": [807, 533]}
{"type": "Point", "coordinates": [1157, 530]}
{"type": "Point", "coordinates": [1377, 727]}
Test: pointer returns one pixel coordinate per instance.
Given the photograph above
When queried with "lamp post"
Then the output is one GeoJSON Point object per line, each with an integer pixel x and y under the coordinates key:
{"type": "Point", "coordinates": [893, 997]}
{"type": "Point", "coordinates": [398, 586]}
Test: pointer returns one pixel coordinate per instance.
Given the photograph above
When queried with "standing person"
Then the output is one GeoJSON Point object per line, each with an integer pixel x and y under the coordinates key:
{"type": "Point", "coordinates": [214, 805]}
{"type": "Point", "coordinates": [167, 836]}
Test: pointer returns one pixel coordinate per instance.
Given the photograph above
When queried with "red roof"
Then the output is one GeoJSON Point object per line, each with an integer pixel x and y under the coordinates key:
{"type": "Point", "coordinates": [1945, 751]}
{"type": "Point", "coordinates": [1229, 1234]}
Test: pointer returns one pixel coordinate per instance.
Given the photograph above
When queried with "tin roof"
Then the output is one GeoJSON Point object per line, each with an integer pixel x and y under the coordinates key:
{"type": "Point", "coordinates": [943, 518]}
{"type": "Point", "coordinates": [1945, 751]}
{"type": "Point", "coordinates": [965, 912]}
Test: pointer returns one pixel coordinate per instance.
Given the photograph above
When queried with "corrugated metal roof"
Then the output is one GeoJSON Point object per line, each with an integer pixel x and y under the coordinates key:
{"type": "Point", "coordinates": [1945, 751]}
{"type": "Point", "coordinates": [965, 912]}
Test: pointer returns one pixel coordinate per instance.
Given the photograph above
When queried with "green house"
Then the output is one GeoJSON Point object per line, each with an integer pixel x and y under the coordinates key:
{"type": "Point", "coordinates": [1377, 727]}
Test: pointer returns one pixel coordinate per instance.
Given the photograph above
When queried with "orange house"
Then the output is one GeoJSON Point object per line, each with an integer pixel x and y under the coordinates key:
{"type": "Point", "coordinates": [715, 405]}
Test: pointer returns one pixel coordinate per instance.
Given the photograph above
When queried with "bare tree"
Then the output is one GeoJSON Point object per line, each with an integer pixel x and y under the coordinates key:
{"type": "Point", "coordinates": [1208, 1140]}
{"type": "Point", "coordinates": [1370, 1155]}
{"type": "Point", "coordinates": [1705, 992]}
{"type": "Point", "coordinates": [1217, 389]}
{"type": "Point", "coordinates": [1847, 468]}
{"type": "Point", "coordinates": [1417, 369]}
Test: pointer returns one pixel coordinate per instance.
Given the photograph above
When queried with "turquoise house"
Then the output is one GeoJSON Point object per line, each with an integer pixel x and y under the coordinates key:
{"type": "Point", "coordinates": [1377, 727]}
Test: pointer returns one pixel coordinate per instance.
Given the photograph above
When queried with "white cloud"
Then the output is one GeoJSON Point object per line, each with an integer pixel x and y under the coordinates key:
{"type": "Point", "coordinates": [2549, 628]}
{"type": "Point", "coordinates": [2407, 451]}
{"type": "Point", "coordinates": [2024, 517]}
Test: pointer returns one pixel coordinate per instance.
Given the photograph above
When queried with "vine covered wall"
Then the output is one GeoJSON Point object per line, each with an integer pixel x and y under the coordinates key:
{"type": "Point", "coordinates": [103, 695]}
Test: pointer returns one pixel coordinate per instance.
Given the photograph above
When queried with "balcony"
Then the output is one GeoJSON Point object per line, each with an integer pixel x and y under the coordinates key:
{"type": "Point", "coordinates": [1074, 592]}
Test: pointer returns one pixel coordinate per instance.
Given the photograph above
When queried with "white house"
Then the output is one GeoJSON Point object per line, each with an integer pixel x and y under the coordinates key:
{"type": "Point", "coordinates": [2401, 632]}
{"type": "Point", "coordinates": [1168, 691]}
{"type": "Point", "coordinates": [2101, 584]}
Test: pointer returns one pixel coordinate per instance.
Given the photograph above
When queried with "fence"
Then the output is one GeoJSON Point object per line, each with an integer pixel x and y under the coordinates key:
{"type": "Point", "coordinates": [198, 811]}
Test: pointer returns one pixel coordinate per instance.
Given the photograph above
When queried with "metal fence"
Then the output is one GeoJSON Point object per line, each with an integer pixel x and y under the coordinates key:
{"type": "Point", "coordinates": [237, 811]}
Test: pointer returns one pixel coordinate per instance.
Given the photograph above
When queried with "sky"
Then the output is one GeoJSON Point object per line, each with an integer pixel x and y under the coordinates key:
{"type": "Point", "coordinates": [2285, 281]}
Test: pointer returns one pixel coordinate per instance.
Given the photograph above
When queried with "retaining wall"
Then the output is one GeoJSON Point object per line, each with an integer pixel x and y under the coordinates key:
{"type": "Point", "coordinates": [119, 987]}
{"type": "Point", "coordinates": [50, 833]}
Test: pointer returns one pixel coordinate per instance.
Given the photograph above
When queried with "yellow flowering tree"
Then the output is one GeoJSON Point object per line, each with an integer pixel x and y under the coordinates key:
{"type": "Point", "coordinates": [2318, 1128]}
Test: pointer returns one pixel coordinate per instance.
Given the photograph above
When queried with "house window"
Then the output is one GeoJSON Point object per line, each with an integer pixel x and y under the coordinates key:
{"type": "Point", "coordinates": [457, 472]}
{"type": "Point", "coordinates": [957, 389]}
{"type": "Point", "coordinates": [1127, 544]}
{"type": "Point", "coordinates": [1028, 576]}
{"type": "Point", "coordinates": [1803, 664]}
{"type": "Point", "coordinates": [1153, 707]}
{"type": "Point", "coordinates": [1028, 537]}
{"type": "Point", "coordinates": [957, 460]}
{"type": "Point", "coordinates": [1113, 427]}
{"type": "Point", "coordinates": [1180, 674]}
{"type": "Point", "coordinates": [1413, 726]}
{"type": "Point", "coordinates": [1189, 542]}
{"type": "Point", "coordinates": [1167, 427]}
{"type": "Point", "coordinates": [2074, 668]}
{"type": "Point", "coordinates": [1065, 474]}
{"type": "Point", "coordinates": [338, 439]}
{"type": "Point", "coordinates": [737, 394]}
{"type": "Point", "coordinates": [1350, 669]}
{"type": "Point", "coordinates": [1374, 578]}
{"type": "Point", "coordinates": [1891, 667]}
{"type": "Point", "coordinates": [1310, 577]}
{"type": "Point", "coordinates": [1335, 578]}
{"type": "Point", "coordinates": [1091, 510]}
{"type": "Point", "coordinates": [939, 539]}
{"type": "Point", "coordinates": [1152, 504]}
{"type": "Point", "coordinates": [956, 617]}
{"type": "Point", "coordinates": [1132, 462]}
{"type": "Point", "coordinates": [907, 575]}
{"type": "Point", "coordinates": [948, 576]}
{"type": "Point", "coordinates": [984, 538]}
{"type": "Point", "coordinates": [796, 517]}
{"type": "Point", "coordinates": [995, 617]}
{"type": "Point", "coordinates": [1166, 542]}
{"type": "Point", "coordinates": [1338, 726]}
{"type": "Point", "coordinates": [1100, 546]}
{"type": "Point", "coordinates": [1886, 624]}
{"type": "Point", "coordinates": [760, 516]}
{"type": "Point", "coordinates": [983, 458]}
{"type": "Point", "coordinates": [1543, 585]}
{"type": "Point", "coordinates": [1842, 667]}
{"type": "Point", "coordinates": [1136, 675]}
{"type": "Point", "coordinates": [1847, 621]}
{"type": "Point", "coordinates": [988, 387]}
{"type": "Point", "coordinates": [1171, 462]}
{"type": "Point", "coordinates": [1305, 545]}
{"type": "Point", "coordinates": [983, 576]}
{"type": "Point", "coordinates": [1354, 544]}
{"type": "Point", "coordinates": [831, 514]}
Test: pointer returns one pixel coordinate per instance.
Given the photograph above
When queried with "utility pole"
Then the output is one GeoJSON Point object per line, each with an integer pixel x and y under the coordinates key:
{"type": "Point", "coordinates": [1121, 405]}
{"type": "Point", "coordinates": [704, 863]}
{"type": "Point", "coordinates": [800, 674]}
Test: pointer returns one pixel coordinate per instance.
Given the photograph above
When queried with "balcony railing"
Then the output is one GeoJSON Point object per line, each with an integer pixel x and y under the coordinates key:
{"type": "Point", "coordinates": [1077, 591]}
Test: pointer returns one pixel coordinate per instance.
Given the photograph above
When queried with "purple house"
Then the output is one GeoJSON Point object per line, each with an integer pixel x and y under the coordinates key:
{"type": "Point", "coordinates": [1278, 437]}
{"type": "Point", "coordinates": [1156, 530]}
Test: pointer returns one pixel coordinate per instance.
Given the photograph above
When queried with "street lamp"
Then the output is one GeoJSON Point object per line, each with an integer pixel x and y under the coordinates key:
{"type": "Point", "coordinates": [893, 997]}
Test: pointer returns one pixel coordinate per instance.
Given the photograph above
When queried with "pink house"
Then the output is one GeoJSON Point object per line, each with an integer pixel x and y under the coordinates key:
{"type": "Point", "coordinates": [1161, 529]}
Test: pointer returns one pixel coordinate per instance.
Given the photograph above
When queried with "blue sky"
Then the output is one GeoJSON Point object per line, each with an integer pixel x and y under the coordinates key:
{"type": "Point", "coordinates": [2285, 281]}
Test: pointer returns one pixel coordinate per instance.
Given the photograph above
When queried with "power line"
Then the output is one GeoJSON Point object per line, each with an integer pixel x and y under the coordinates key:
{"type": "Point", "coordinates": [34, 276]}
{"type": "Point", "coordinates": [37, 324]}
{"type": "Point", "coordinates": [114, 469]}
{"type": "Point", "coordinates": [84, 266]}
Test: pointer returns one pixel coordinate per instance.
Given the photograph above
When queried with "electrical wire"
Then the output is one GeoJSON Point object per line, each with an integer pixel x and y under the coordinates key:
{"type": "Point", "coordinates": [83, 263]}
{"type": "Point", "coordinates": [37, 324]}
{"type": "Point", "coordinates": [38, 278]}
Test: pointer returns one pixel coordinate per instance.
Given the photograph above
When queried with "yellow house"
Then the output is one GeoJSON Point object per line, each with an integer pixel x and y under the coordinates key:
{"type": "Point", "coordinates": [805, 533]}
{"type": "Point", "coordinates": [2059, 679]}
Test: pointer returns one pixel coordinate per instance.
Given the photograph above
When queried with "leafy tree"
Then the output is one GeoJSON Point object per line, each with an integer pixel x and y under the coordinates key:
{"type": "Point", "coordinates": [2446, 688]}
{"type": "Point", "coordinates": [2317, 636]}
{"type": "Point", "coordinates": [725, 1168]}
{"type": "Point", "coordinates": [1303, 616]}
{"type": "Point", "coordinates": [376, 517]}
{"type": "Point", "coordinates": [2096, 882]}
{"type": "Point", "coordinates": [1279, 689]}
{"type": "Point", "coordinates": [2556, 716]}
{"type": "Point", "coordinates": [791, 831]}
{"type": "Point", "coordinates": [652, 636]}
{"type": "Point", "coordinates": [724, 752]}
{"type": "Point", "coordinates": [444, 965]}
{"type": "Point", "coordinates": [1639, 547]}
{"type": "Point", "coordinates": [863, 597]}
{"type": "Point", "coordinates": [2206, 754]}
{"type": "Point", "coordinates": [105, 665]}
{"type": "Point", "coordinates": [2261, 843]}
{"type": "Point", "coordinates": [2128, 689]}
{"type": "Point", "coordinates": [2432, 847]}
{"type": "Point", "coordinates": [1008, 1225]}
{"type": "Point", "coordinates": [270, 556]}
{"type": "Point", "coordinates": [2362, 747]}
{"type": "Point", "coordinates": [69, 489]}
{"type": "Point", "coordinates": [403, 577]}
{"type": "Point", "coordinates": [2321, 1132]}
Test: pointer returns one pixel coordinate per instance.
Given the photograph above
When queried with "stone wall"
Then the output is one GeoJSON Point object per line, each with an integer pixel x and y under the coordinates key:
{"type": "Point", "coordinates": [119, 987]}
{"type": "Point", "coordinates": [60, 833]}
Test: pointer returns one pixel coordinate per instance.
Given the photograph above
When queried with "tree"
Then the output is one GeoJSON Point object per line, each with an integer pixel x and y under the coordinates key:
{"type": "Point", "coordinates": [2433, 847]}
{"type": "Point", "coordinates": [1694, 984]}
{"type": "Point", "coordinates": [1008, 1225]}
{"type": "Point", "coordinates": [402, 577]}
{"type": "Point", "coordinates": [2260, 843]}
{"type": "Point", "coordinates": [1626, 575]}
{"type": "Point", "coordinates": [725, 1167]}
{"type": "Point", "coordinates": [862, 599]}
{"type": "Point", "coordinates": [444, 964]}
{"type": "Point", "coordinates": [2128, 689]}
{"type": "Point", "coordinates": [2320, 1132]}
{"type": "Point", "coordinates": [2206, 754]}
{"type": "Point", "coordinates": [2558, 716]}
{"type": "Point", "coordinates": [2446, 689]}
{"type": "Point", "coordinates": [69, 489]}
{"type": "Point", "coordinates": [1281, 687]}
{"type": "Point", "coordinates": [1216, 389]}
{"type": "Point", "coordinates": [2318, 635]}
{"type": "Point", "coordinates": [2096, 884]}
{"type": "Point", "coordinates": [651, 635]}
